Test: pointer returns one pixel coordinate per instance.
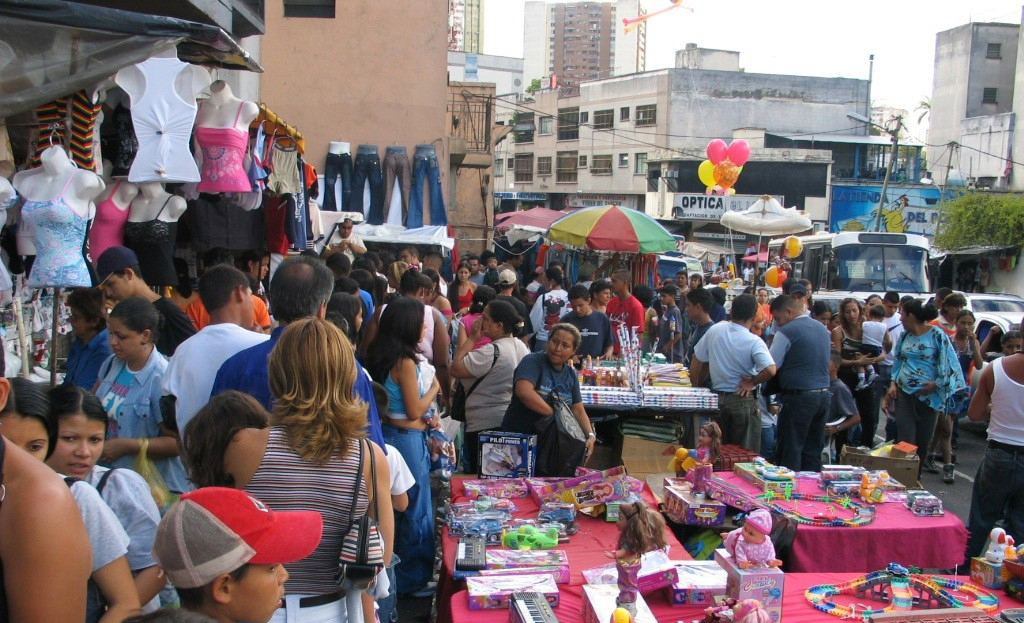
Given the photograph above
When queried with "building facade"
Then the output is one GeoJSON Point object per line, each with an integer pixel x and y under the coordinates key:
{"type": "Point", "coordinates": [465, 26]}
{"type": "Point", "coordinates": [505, 72]}
{"type": "Point", "coordinates": [579, 41]}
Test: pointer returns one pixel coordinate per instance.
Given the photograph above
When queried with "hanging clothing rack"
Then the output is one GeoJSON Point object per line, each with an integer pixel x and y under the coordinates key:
{"type": "Point", "coordinates": [272, 124]}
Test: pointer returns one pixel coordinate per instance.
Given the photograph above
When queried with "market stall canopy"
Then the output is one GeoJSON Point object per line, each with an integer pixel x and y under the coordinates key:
{"type": "Point", "coordinates": [520, 233]}
{"type": "Point", "coordinates": [51, 48]}
{"type": "Point", "coordinates": [768, 218]}
{"type": "Point", "coordinates": [611, 228]}
{"type": "Point", "coordinates": [534, 217]}
{"type": "Point", "coordinates": [756, 257]}
{"type": "Point", "coordinates": [705, 252]}
{"type": "Point", "coordinates": [429, 235]}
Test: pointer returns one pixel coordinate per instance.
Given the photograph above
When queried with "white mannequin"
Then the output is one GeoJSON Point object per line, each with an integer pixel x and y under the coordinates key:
{"type": "Point", "coordinates": [149, 202]}
{"type": "Point", "coordinates": [6, 192]}
{"type": "Point", "coordinates": [189, 83]}
{"type": "Point", "coordinates": [339, 147]}
{"type": "Point", "coordinates": [220, 109]}
{"type": "Point", "coordinates": [125, 191]}
{"type": "Point", "coordinates": [47, 182]}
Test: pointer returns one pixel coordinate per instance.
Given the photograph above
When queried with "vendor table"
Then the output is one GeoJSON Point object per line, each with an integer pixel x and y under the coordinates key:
{"type": "Point", "coordinates": [795, 608]}
{"type": "Point", "coordinates": [586, 549]}
{"type": "Point", "coordinates": [896, 534]}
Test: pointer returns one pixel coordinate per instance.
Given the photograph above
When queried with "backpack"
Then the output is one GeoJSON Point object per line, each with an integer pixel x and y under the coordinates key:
{"type": "Point", "coordinates": [552, 312]}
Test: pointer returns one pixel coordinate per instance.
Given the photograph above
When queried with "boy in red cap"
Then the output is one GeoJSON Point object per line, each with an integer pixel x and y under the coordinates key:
{"type": "Point", "coordinates": [223, 550]}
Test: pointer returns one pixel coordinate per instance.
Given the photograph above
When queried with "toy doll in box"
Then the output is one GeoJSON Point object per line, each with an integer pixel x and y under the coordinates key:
{"type": "Point", "coordinates": [709, 448]}
{"type": "Point", "coordinates": [749, 545]}
{"type": "Point", "coordinates": [640, 530]}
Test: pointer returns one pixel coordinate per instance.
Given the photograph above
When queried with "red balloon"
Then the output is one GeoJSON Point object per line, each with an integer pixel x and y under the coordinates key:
{"type": "Point", "coordinates": [739, 152]}
{"type": "Point", "coordinates": [717, 151]}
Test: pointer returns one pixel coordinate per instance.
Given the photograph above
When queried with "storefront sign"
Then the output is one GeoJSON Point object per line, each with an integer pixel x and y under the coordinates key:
{"type": "Point", "coordinates": [855, 208]}
{"type": "Point", "coordinates": [522, 196]}
{"type": "Point", "coordinates": [700, 207]}
{"type": "Point", "coordinates": [587, 200]}
{"type": "Point", "coordinates": [711, 235]}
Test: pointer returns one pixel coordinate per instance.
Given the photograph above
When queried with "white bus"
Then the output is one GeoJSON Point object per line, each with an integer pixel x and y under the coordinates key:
{"type": "Point", "coordinates": [862, 262]}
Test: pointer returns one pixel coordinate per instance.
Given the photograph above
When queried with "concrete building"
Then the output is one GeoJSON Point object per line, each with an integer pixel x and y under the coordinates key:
{"type": "Point", "coordinates": [694, 57]}
{"type": "Point", "coordinates": [471, 108]}
{"type": "Point", "coordinates": [975, 75]}
{"type": "Point", "coordinates": [505, 72]}
{"type": "Point", "coordinates": [579, 41]}
{"type": "Point", "coordinates": [465, 26]}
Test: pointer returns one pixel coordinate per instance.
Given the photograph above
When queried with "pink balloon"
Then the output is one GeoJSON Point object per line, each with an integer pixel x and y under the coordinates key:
{"type": "Point", "coordinates": [717, 151]}
{"type": "Point", "coordinates": [739, 152]}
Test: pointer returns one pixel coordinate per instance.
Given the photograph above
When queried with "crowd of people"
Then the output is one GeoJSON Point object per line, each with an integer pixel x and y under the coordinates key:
{"type": "Point", "coordinates": [206, 439]}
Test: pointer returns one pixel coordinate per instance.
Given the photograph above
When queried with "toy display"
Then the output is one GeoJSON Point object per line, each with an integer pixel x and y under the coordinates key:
{"type": "Point", "coordinates": [987, 570]}
{"type": "Point", "coordinates": [507, 455]}
{"type": "Point", "coordinates": [640, 530]}
{"type": "Point", "coordinates": [496, 488]}
{"type": "Point", "coordinates": [477, 522]}
{"type": "Point", "coordinates": [872, 490]}
{"type": "Point", "coordinates": [695, 509]}
{"type": "Point", "coordinates": [530, 608]}
{"type": "Point", "coordinates": [825, 509]}
{"type": "Point", "coordinates": [541, 526]}
{"type": "Point", "coordinates": [588, 490]}
{"type": "Point", "coordinates": [924, 504]}
{"type": "Point", "coordinates": [599, 604]}
{"type": "Point", "coordinates": [559, 512]}
{"type": "Point", "coordinates": [528, 537]}
{"type": "Point", "coordinates": [493, 592]}
{"type": "Point", "coordinates": [732, 495]}
{"type": "Point", "coordinates": [749, 545]}
{"type": "Point", "coordinates": [697, 584]}
{"type": "Point", "coordinates": [656, 571]}
{"type": "Point", "coordinates": [528, 559]}
{"type": "Point", "coordinates": [611, 509]}
{"type": "Point", "coordinates": [902, 590]}
{"type": "Point", "coordinates": [765, 584]}
{"type": "Point", "coordinates": [766, 476]}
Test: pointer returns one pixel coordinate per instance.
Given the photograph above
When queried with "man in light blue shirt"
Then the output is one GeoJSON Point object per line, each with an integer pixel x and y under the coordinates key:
{"type": "Point", "coordinates": [738, 361]}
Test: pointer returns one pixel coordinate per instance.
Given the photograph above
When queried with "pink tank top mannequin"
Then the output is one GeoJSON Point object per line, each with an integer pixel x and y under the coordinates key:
{"type": "Point", "coordinates": [223, 154]}
{"type": "Point", "coordinates": [108, 225]}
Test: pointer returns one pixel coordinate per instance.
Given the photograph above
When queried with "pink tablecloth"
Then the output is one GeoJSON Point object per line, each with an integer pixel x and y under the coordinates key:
{"type": "Point", "coordinates": [896, 535]}
{"type": "Point", "coordinates": [795, 608]}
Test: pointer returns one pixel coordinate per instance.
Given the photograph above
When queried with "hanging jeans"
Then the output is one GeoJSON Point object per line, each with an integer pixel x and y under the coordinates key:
{"type": "Point", "coordinates": [367, 169]}
{"type": "Point", "coordinates": [396, 166]}
{"type": "Point", "coordinates": [338, 166]}
{"type": "Point", "coordinates": [425, 165]}
{"type": "Point", "coordinates": [414, 529]}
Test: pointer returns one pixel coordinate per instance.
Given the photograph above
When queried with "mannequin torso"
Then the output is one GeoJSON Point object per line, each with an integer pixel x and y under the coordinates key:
{"type": "Point", "coordinates": [111, 214]}
{"type": "Point", "coordinates": [339, 147]}
{"type": "Point", "coordinates": [152, 203]}
{"type": "Point", "coordinates": [223, 138]}
{"type": "Point", "coordinates": [224, 110]}
{"type": "Point", "coordinates": [151, 231]}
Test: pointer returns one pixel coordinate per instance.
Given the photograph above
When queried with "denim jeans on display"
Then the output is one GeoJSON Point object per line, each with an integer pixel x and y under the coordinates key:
{"type": "Point", "coordinates": [426, 167]}
{"type": "Point", "coordinates": [338, 169]}
{"type": "Point", "coordinates": [396, 166]}
{"type": "Point", "coordinates": [414, 529]}
{"type": "Point", "coordinates": [367, 169]}
{"type": "Point", "coordinates": [800, 436]}
{"type": "Point", "coordinates": [998, 494]}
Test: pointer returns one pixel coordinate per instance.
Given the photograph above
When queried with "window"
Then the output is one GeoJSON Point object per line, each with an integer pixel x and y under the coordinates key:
{"type": "Point", "coordinates": [604, 119]}
{"type": "Point", "coordinates": [546, 123]}
{"type": "Point", "coordinates": [584, 118]}
{"type": "Point", "coordinates": [601, 164]}
{"type": "Point", "coordinates": [647, 115]}
{"type": "Point", "coordinates": [524, 167]}
{"type": "Point", "coordinates": [582, 162]}
{"type": "Point", "coordinates": [624, 113]}
{"type": "Point", "coordinates": [523, 128]}
{"type": "Point", "coordinates": [623, 160]}
{"type": "Point", "coordinates": [566, 163]}
{"type": "Point", "coordinates": [543, 165]}
{"type": "Point", "coordinates": [568, 124]}
{"type": "Point", "coordinates": [499, 167]}
{"type": "Point", "coordinates": [309, 8]}
{"type": "Point", "coordinates": [640, 164]}
{"type": "Point", "coordinates": [995, 50]}
{"type": "Point", "coordinates": [988, 96]}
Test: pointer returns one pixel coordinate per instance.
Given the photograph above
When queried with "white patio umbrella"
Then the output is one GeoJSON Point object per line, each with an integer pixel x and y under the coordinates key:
{"type": "Point", "coordinates": [766, 216]}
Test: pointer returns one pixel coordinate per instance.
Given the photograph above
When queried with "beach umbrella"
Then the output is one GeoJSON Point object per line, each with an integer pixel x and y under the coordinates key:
{"type": "Point", "coordinates": [610, 228]}
{"type": "Point", "coordinates": [766, 217]}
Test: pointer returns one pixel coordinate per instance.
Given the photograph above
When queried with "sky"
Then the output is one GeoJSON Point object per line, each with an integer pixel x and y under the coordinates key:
{"type": "Point", "coordinates": [800, 37]}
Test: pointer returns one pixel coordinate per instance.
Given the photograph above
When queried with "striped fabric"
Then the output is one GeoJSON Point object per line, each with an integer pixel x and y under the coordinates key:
{"type": "Point", "coordinates": [285, 482]}
{"type": "Point", "coordinates": [52, 120]}
{"type": "Point", "coordinates": [83, 126]}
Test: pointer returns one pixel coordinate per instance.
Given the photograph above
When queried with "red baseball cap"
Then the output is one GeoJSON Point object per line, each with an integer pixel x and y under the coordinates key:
{"type": "Point", "coordinates": [215, 530]}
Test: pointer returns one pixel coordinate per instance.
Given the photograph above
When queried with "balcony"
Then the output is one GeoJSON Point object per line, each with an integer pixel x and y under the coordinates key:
{"type": "Point", "coordinates": [470, 115]}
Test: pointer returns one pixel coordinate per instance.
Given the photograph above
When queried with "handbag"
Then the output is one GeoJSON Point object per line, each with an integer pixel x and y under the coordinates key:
{"type": "Point", "coordinates": [362, 551]}
{"type": "Point", "coordinates": [561, 442]}
{"type": "Point", "coordinates": [461, 394]}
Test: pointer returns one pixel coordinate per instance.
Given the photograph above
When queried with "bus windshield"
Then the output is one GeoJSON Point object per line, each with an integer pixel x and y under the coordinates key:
{"type": "Point", "coordinates": [877, 268]}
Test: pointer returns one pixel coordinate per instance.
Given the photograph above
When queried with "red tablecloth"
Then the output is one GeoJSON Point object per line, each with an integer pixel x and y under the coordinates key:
{"type": "Point", "coordinates": [586, 549]}
{"type": "Point", "coordinates": [896, 534]}
{"type": "Point", "coordinates": [795, 608]}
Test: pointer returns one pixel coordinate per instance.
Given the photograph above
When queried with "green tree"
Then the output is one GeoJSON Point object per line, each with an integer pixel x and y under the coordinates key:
{"type": "Point", "coordinates": [980, 218]}
{"type": "Point", "coordinates": [534, 86]}
{"type": "Point", "coordinates": [924, 107]}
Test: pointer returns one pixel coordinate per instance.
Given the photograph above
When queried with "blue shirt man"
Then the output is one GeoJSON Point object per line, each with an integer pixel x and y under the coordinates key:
{"type": "Point", "coordinates": [84, 360]}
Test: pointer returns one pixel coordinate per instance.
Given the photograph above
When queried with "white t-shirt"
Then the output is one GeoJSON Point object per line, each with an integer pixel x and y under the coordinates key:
{"type": "Point", "coordinates": [874, 333]}
{"type": "Point", "coordinates": [107, 539]}
{"type": "Point", "coordinates": [193, 368]}
{"type": "Point", "coordinates": [353, 238]}
{"type": "Point", "coordinates": [401, 477]}
{"type": "Point", "coordinates": [486, 406]}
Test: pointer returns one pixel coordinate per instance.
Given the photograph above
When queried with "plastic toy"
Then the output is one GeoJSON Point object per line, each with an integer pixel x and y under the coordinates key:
{"type": "Point", "coordinates": [621, 615]}
{"type": "Point", "coordinates": [872, 490]}
{"type": "Point", "coordinates": [863, 513]}
{"type": "Point", "coordinates": [681, 462]}
{"type": "Point", "coordinates": [528, 537]}
{"type": "Point", "coordinates": [750, 611]}
{"type": "Point", "coordinates": [749, 545]}
{"type": "Point", "coordinates": [997, 545]}
{"type": "Point", "coordinates": [641, 530]}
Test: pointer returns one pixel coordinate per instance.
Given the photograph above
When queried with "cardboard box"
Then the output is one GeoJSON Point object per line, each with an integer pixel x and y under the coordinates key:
{"type": "Point", "coordinates": [987, 574]}
{"type": "Point", "coordinates": [642, 457]}
{"type": "Point", "coordinates": [599, 604]}
{"type": "Point", "coordinates": [588, 490]}
{"type": "Point", "coordinates": [611, 509]}
{"type": "Point", "coordinates": [656, 572]}
{"type": "Point", "coordinates": [698, 584]}
{"type": "Point", "coordinates": [762, 584]}
{"type": "Point", "coordinates": [507, 455]}
{"type": "Point", "coordinates": [493, 592]}
{"type": "Point", "coordinates": [530, 559]}
{"type": "Point", "coordinates": [748, 472]}
{"type": "Point", "coordinates": [903, 469]}
{"type": "Point", "coordinates": [509, 488]}
{"type": "Point", "coordinates": [685, 507]}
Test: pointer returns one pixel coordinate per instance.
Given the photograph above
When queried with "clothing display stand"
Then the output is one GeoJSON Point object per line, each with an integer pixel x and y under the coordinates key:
{"type": "Point", "coordinates": [53, 338]}
{"type": "Point", "coordinates": [24, 343]}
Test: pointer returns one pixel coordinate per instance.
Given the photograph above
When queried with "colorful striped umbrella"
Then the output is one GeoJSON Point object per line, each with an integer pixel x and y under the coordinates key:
{"type": "Point", "coordinates": [610, 228]}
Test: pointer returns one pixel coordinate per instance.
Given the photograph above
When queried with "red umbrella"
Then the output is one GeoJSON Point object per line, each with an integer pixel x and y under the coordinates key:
{"type": "Point", "coordinates": [756, 257]}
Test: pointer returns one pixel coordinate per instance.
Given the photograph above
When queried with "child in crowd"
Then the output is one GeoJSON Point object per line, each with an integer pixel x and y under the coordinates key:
{"type": "Point", "coordinates": [842, 414]}
{"type": "Point", "coordinates": [223, 550]}
{"type": "Point", "coordinates": [594, 326]}
{"type": "Point", "coordinates": [821, 312]}
{"type": "Point", "coordinates": [672, 332]}
{"type": "Point", "coordinates": [875, 331]}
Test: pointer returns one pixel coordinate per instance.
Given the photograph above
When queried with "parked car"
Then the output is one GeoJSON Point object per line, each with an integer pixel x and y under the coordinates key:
{"type": "Point", "coordinates": [1001, 310]}
{"type": "Point", "coordinates": [669, 265]}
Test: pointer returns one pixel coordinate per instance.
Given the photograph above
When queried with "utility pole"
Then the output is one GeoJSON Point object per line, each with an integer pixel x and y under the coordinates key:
{"type": "Point", "coordinates": [895, 134]}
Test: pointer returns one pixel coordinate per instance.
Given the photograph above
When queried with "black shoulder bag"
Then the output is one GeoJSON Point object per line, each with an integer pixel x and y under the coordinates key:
{"type": "Point", "coordinates": [461, 394]}
{"type": "Point", "coordinates": [362, 551]}
{"type": "Point", "coordinates": [561, 443]}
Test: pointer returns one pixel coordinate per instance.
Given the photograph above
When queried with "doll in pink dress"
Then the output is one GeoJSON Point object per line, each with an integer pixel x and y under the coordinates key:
{"type": "Point", "coordinates": [750, 545]}
{"type": "Point", "coordinates": [641, 530]}
{"type": "Point", "coordinates": [709, 447]}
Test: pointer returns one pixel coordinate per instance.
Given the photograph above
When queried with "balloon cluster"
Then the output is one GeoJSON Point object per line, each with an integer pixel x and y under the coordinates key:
{"type": "Point", "coordinates": [723, 166]}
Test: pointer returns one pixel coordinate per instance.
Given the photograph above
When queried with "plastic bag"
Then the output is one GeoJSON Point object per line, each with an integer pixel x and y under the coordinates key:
{"type": "Point", "coordinates": [442, 453]}
{"type": "Point", "coordinates": [157, 487]}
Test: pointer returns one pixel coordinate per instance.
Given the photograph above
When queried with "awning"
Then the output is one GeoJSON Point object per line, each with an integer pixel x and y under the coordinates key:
{"type": "Point", "coordinates": [859, 139]}
{"type": "Point", "coordinates": [51, 48]}
{"type": "Point", "coordinates": [428, 235]}
{"type": "Point", "coordinates": [534, 217]}
{"type": "Point", "coordinates": [705, 252]}
{"type": "Point", "coordinates": [978, 250]}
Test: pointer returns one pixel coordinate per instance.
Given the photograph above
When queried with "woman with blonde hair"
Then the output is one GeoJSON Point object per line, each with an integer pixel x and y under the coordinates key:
{"type": "Point", "coordinates": [308, 460]}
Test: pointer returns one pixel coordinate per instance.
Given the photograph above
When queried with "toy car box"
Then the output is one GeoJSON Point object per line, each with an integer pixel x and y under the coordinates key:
{"type": "Point", "coordinates": [495, 488]}
{"type": "Point", "coordinates": [748, 472]}
{"type": "Point", "coordinates": [492, 592]}
{"type": "Point", "coordinates": [529, 559]}
{"type": "Point", "coordinates": [698, 584]}
{"type": "Point", "coordinates": [762, 584]}
{"type": "Point", "coordinates": [507, 455]}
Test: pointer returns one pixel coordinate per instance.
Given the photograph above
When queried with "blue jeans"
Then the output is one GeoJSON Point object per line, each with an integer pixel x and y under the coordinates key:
{"type": "Point", "coordinates": [768, 442]}
{"type": "Point", "coordinates": [338, 166]}
{"type": "Point", "coordinates": [414, 529]}
{"type": "Point", "coordinates": [426, 167]}
{"type": "Point", "coordinates": [367, 169]}
{"type": "Point", "coordinates": [388, 606]}
{"type": "Point", "coordinates": [801, 432]}
{"type": "Point", "coordinates": [998, 494]}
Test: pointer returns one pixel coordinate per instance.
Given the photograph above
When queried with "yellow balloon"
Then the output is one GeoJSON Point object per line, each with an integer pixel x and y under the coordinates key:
{"type": "Point", "coordinates": [771, 276]}
{"type": "Point", "coordinates": [706, 173]}
{"type": "Point", "coordinates": [794, 246]}
{"type": "Point", "coordinates": [621, 615]}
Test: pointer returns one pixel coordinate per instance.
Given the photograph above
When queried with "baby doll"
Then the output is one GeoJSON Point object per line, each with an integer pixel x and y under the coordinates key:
{"type": "Point", "coordinates": [750, 611]}
{"type": "Point", "coordinates": [641, 530]}
{"type": "Point", "coordinates": [750, 545]}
